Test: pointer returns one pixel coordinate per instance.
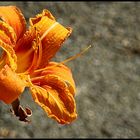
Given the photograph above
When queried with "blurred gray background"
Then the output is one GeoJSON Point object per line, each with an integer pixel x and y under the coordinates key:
{"type": "Point", "coordinates": [107, 76]}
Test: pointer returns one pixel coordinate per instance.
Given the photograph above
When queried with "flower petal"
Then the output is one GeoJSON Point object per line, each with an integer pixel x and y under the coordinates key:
{"type": "Point", "coordinates": [54, 90]}
{"type": "Point", "coordinates": [13, 16]}
{"type": "Point", "coordinates": [11, 86]}
{"type": "Point", "coordinates": [56, 100]}
{"type": "Point", "coordinates": [7, 33]}
{"type": "Point", "coordinates": [7, 41]}
{"type": "Point", "coordinates": [8, 56]}
{"type": "Point", "coordinates": [52, 35]}
{"type": "Point", "coordinates": [57, 70]}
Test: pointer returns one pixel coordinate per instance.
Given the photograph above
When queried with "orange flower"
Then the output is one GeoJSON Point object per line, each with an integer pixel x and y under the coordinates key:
{"type": "Point", "coordinates": [25, 62]}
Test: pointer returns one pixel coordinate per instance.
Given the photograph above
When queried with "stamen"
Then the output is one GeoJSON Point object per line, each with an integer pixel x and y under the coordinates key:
{"type": "Point", "coordinates": [75, 56]}
{"type": "Point", "coordinates": [47, 31]}
{"type": "Point", "coordinates": [67, 60]}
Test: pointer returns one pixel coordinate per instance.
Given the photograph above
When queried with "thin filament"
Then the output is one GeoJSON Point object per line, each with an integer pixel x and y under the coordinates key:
{"type": "Point", "coordinates": [68, 59]}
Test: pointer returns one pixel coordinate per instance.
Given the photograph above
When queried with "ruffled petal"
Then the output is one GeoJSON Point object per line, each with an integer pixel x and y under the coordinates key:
{"type": "Point", "coordinates": [11, 85]}
{"type": "Point", "coordinates": [8, 55]}
{"type": "Point", "coordinates": [54, 90]}
{"type": "Point", "coordinates": [56, 100]}
{"type": "Point", "coordinates": [7, 42]}
{"type": "Point", "coordinates": [7, 34]}
{"type": "Point", "coordinates": [52, 35]}
{"type": "Point", "coordinates": [13, 16]}
{"type": "Point", "coordinates": [57, 70]}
